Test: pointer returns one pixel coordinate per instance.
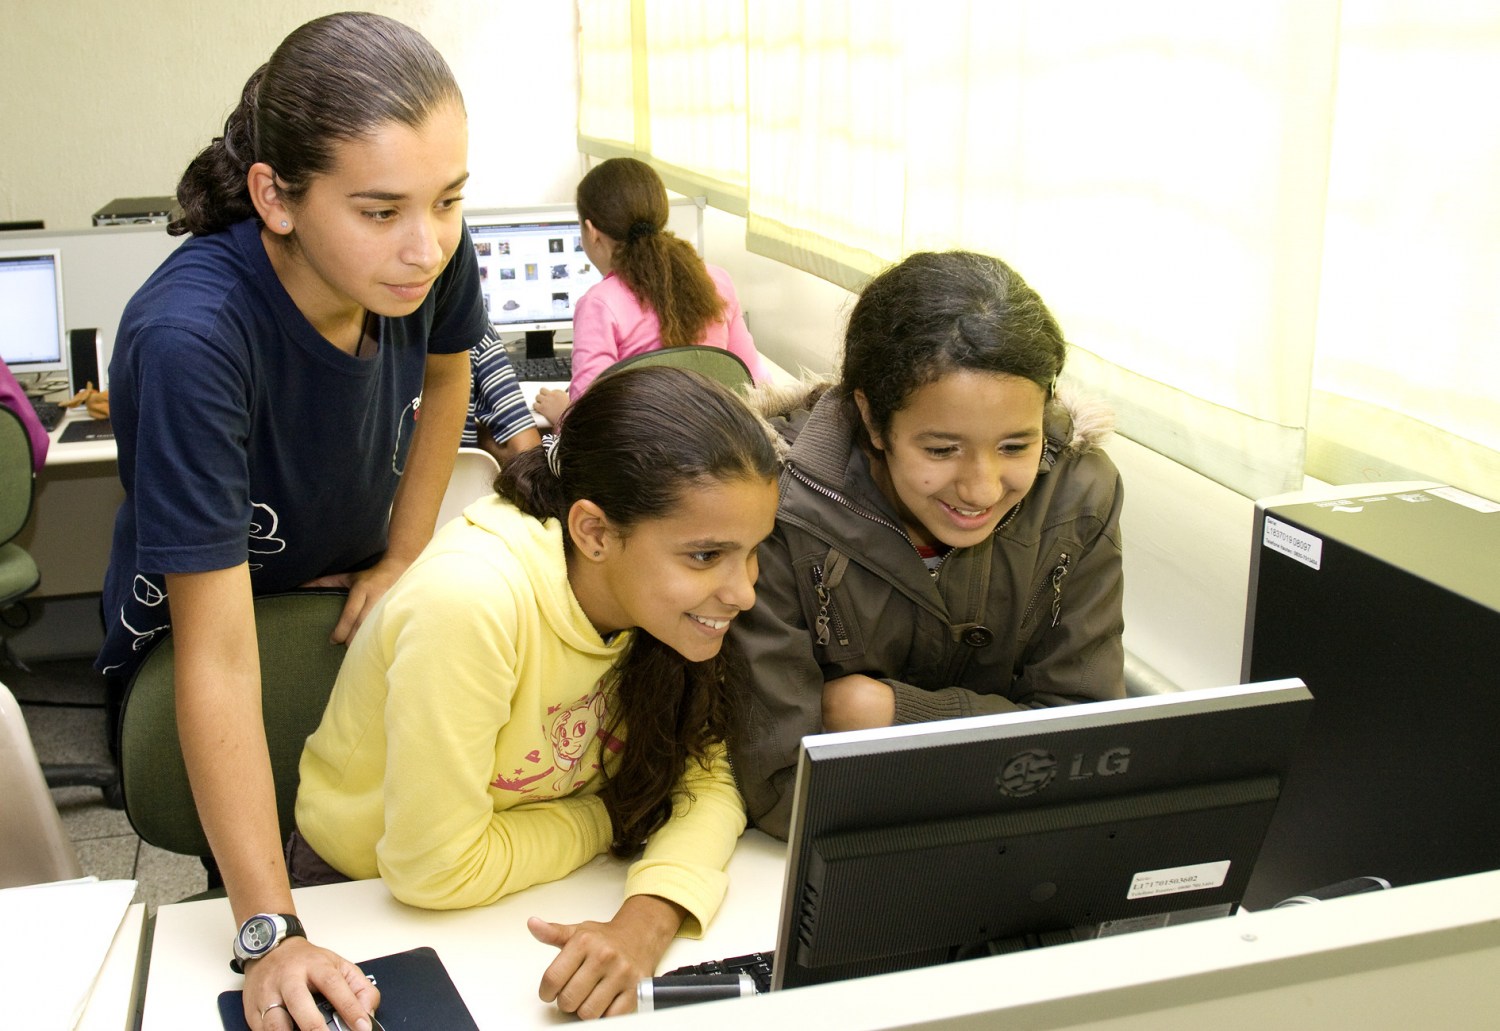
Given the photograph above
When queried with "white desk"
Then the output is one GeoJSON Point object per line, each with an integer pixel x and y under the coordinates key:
{"type": "Point", "coordinates": [1420, 956]}
{"type": "Point", "coordinates": [83, 452]}
{"type": "Point", "coordinates": [492, 958]}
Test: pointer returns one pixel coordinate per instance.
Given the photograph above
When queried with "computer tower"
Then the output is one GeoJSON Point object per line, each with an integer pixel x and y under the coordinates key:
{"type": "Point", "coordinates": [1386, 602]}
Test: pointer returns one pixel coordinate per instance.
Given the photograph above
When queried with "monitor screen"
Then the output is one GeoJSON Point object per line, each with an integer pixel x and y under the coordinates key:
{"type": "Point", "coordinates": [33, 336]}
{"type": "Point", "coordinates": [935, 842]}
{"type": "Point", "coordinates": [532, 268]}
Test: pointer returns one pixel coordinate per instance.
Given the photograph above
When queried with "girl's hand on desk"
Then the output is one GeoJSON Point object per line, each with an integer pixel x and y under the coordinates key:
{"type": "Point", "coordinates": [596, 973]}
{"type": "Point", "coordinates": [290, 973]}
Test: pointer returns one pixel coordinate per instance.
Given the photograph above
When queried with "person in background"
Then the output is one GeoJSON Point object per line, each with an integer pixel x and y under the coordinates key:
{"type": "Point", "coordinates": [656, 291]}
{"type": "Point", "coordinates": [15, 399]}
{"type": "Point", "coordinates": [549, 681]}
{"type": "Point", "coordinates": [948, 537]}
{"type": "Point", "coordinates": [288, 390]}
{"type": "Point", "coordinates": [498, 420]}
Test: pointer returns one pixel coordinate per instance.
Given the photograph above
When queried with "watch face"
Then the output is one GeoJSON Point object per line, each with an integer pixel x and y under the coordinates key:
{"type": "Point", "coordinates": [258, 935]}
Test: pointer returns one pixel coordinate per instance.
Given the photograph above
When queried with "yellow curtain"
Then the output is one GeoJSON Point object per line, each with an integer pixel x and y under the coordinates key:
{"type": "Point", "coordinates": [1267, 229]}
{"type": "Point", "coordinates": [1407, 372]}
{"type": "Point", "coordinates": [670, 87]}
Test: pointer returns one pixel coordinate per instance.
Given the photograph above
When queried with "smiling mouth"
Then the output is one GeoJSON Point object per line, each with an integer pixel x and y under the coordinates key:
{"type": "Point", "coordinates": [967, 513]}
{"type": "Point", "coordinates": [712, 624]}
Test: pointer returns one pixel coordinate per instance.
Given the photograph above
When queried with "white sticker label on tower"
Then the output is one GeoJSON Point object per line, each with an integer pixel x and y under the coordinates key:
{"type": "Point", "coordinates": [1293, 542]}
{"type": "Point", "coordinates": [1464, 498]}
{"type": "Point", "coordinates": [1177, 879]}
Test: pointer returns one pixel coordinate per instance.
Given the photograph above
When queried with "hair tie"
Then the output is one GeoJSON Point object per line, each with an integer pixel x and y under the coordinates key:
{"type": "Point", "coordinates": [640, 229]}
{"type": "Point", "coordinates": [549, 445]}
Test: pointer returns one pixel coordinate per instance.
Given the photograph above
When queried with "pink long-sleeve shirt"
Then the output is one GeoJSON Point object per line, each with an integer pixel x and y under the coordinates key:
{"type": "Point", "coordinates": [610, 323]}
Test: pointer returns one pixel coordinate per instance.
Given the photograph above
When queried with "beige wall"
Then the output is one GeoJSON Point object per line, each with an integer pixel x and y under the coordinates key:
{"type": "Point", "coordinates": [102, 99]}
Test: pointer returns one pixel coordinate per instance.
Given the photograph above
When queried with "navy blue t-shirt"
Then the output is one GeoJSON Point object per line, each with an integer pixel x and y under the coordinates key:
{"type": "Point", "coordinates": [244, 434]}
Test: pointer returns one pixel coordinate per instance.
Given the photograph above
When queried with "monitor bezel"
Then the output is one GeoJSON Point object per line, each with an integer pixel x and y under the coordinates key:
{"type": "Point", "coordinates": [1289, 697]}
{"type": "Point", "coordinates": [59, 363]}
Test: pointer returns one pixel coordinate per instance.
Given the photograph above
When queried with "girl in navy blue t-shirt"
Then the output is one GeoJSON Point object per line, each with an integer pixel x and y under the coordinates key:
{"type": "Point", "coordinates": [287, 393]}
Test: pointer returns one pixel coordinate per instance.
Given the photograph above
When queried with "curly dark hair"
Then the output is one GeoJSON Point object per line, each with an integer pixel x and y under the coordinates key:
{"type": "Point", "coordinates": [935, 312]}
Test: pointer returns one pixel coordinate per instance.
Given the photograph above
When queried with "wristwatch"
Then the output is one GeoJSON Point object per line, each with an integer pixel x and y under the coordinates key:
{"type": "Point", "coordinates": [262, 933]}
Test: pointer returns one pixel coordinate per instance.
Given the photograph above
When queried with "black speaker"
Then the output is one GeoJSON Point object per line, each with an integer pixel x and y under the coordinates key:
{"type": "Point", "coordinates": [83, 357]}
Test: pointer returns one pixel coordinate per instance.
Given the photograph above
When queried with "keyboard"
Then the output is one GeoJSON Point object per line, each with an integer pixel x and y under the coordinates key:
{"type": "Point", "coordinates": [756, 964]}
{"type": "Point", "coordinates": [558, 368]}
{"type": "Point", "coordinates": [49, 413]}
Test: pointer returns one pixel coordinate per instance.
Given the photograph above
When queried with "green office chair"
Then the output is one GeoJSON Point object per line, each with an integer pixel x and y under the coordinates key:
{"type": "Point", "coordinates": [19, 575]}
{"type": "Point", "coordinates": [298, 666]}
{"type": "Point", "coordinates": [714, 362]}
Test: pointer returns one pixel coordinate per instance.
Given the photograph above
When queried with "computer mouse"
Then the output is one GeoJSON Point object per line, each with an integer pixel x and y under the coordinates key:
{"type": "Point", "coordinates": [336, 1022]}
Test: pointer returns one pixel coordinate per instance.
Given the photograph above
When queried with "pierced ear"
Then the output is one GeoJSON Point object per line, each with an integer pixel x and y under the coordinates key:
{"type": "Point", "coordinates": [588, 528]}
{"type": "Point", "coordinates": [269, 203]}
{"type": "Point", "coordinates": [863, 403]}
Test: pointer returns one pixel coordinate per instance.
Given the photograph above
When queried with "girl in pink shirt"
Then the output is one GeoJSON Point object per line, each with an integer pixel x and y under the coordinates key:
{"type": "Point", "coordinates": [656, 291]}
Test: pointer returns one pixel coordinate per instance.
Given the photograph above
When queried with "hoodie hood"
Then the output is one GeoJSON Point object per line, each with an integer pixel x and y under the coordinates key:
{"type": "Point", "coordinates": [534, 548]}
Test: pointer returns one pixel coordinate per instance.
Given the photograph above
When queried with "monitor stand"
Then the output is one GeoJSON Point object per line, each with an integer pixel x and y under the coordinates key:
{"type": "Point", "coordinates": [539, 343]}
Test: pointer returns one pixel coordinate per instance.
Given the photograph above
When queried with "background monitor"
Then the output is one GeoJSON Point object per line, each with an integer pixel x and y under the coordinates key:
{"type": "Point", "coordinates": [928, 843]}
{"type": "Point", "coordinates": [532, 270]}
{"type": "Point", "coordinates": [32, 334]}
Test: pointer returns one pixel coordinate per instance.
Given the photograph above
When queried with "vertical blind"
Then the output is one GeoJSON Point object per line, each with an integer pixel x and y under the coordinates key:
{"type": "Point", "coordinates": [1268, 230]}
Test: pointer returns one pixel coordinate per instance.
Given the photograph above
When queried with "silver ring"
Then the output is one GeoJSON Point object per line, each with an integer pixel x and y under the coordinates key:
{"type": "Point", "coordinates": [273, 1006]}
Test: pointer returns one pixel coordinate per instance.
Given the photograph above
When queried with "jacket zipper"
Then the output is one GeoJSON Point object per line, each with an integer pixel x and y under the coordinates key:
{"type": "Point", "coordinates": [1059, 574]}
{"type": "Point", "coordinates": [828, 616]}
{"type": "Point", "coordinates": [1055, 580]}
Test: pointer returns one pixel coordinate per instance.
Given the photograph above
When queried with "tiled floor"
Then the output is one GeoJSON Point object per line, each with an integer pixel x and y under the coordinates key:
{"type": "Point", "coordinates": [71, 733]}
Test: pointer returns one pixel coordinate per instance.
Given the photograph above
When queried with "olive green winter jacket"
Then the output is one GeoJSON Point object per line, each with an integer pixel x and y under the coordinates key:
{"type": "Point", "coordinates": [1030, 618]}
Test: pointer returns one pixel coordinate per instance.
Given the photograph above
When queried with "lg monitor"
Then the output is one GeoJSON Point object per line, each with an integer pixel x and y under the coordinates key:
{"type": "Point", "coordinates": [33, 338]}
{"type": "Point", "coordinates": [532, 270]}
{"type": "Point", "coordinates": [923, 844]}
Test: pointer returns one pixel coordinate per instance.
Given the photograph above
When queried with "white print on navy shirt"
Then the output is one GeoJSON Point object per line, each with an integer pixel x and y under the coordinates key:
{"type": "Point", "coordinates": [263, 539]}
{"type": "Point", "coordinates": [415, 408]}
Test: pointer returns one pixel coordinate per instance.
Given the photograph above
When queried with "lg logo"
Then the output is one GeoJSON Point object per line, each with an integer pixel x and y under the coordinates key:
{"type": "Point", "coordinates": [1028, 772]}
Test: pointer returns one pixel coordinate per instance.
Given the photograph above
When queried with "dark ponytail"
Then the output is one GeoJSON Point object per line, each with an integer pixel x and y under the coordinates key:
{"type": "Point", "coordinates": [635, 444]}
{"type": "Point", "coordinates": [626, 201]}
{"type": "Point", "coordinates": [333, 79]}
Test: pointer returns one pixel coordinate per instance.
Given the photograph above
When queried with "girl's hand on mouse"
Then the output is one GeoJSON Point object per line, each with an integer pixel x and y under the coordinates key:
{"type": "Point", "coordinates": [279, 987]}
{"type": "Point", "coordinates": [599, 964]}
{"type": "Point", "coordinates": [551, 403]}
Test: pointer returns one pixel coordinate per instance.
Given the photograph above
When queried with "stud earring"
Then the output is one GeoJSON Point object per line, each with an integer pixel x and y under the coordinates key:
{"type": "Point", "coordinates": [285, 224]}
{"type": "Point", "coordinates": [598, 553]}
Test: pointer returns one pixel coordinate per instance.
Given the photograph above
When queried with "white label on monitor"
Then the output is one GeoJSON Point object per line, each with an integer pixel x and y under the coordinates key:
{"type": "Point", "coordinates": [1293, 542]}
{"type": "Point", "coordinates": [1464, 498]}
{"type": "Point", "coordinates": [1177, 879]}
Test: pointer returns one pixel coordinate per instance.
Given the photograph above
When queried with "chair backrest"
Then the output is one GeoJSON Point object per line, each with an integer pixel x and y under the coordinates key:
{"type": "Point", "coordinates": [34, 848]}
{"type": "Point", "coordinates": [474, 472]}
{"type": "Point", "coordinates": [17, 477]}
{"type": "Point", "coordinates": [726, 367]}
{"type": "Point", "coordinates": [298, 666]}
